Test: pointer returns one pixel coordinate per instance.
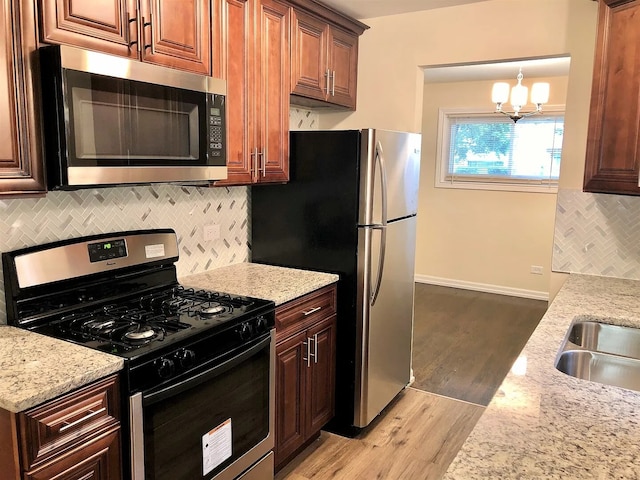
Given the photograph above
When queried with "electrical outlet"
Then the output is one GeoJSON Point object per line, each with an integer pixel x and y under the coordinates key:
{"type": "Point", "coordinates": [211, 232]}
{"type": "Point", "coordinates": [536, 269]}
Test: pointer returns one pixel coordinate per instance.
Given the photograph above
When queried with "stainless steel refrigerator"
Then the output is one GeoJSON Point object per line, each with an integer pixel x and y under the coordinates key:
{"type": "Point", "coordinates": [350, 208]}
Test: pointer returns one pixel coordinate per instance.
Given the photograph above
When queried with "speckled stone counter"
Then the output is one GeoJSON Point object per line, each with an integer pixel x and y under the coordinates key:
{"type": "Point", "coordinates": [261, 281]}
{"type": "Point", "coordinates": [35, 368]}
{"type": "Point", "coordinates": [544, 424]}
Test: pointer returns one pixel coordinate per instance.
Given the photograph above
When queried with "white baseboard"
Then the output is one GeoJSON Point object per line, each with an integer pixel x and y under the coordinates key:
{"type": "Point", "coordinates": [483, 287]}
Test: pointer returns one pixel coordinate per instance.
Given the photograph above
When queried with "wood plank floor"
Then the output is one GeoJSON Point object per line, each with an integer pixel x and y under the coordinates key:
{"type": "Point", "coordinates": [464, 342]}
{"type": "Point", "coordinates": [416, 438]}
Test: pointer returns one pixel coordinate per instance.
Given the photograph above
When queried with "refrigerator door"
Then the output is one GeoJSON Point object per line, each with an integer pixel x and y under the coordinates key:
{"type": "Point", "coordinates": [390, 159]}
{"type": "Point", "coordinates": [384, 333]}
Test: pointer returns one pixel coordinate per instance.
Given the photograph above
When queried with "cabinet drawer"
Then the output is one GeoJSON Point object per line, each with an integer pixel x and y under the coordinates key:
{"type": "Point", "coordinates": [62, 424]}
{"type": "Point", "coordinates": [300, 313]}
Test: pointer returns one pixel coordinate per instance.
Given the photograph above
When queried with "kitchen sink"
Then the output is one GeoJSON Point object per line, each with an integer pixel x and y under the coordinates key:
{"type": "Point", "coordinates": [601, 337]}
{"type": "Point", "coordinates": [602, 353]}
{"type": "Point", "coordinates": [601, 368]}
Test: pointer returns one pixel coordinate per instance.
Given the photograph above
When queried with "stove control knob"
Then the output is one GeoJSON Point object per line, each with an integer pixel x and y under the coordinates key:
{"type": "Point", "coordinates": [261, 324]}
{"type": "Point", "coordinates": [245, 331]}
{"type": "Point", "coordinates": [165, 367]}
{"type": "Point", "coordinates": [185, 358]}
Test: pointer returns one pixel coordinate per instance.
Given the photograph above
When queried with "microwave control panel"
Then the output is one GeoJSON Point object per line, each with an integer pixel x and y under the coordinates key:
{"type": "Point", "coordinates": [217, 129]}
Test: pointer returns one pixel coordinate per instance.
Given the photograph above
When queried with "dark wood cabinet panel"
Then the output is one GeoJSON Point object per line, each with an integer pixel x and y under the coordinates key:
{"type": "Point", "coordinates": [253, 41]}
{"type": "Point", "coordinates": [324, 59]}
{"type": "Point", "coordinates": [173, 33]}
{"type": "Point", "coordinates": [76, 436]}
{"type": "Point", "coordinates": [176, 33]}
{"type": "Point", "coordinates": [21, 167]}
{"type": "Point", "coordinates": [613, 142]}
{"type": "Point", "coordinates": [101, 25]}
{"type": "Point", "coordinates": [321, 385]}
{"type": "Point", "coordinates": [95, 460]}
{"type": "Point", "coordinates": [291, 365]}
{"type": "Point", "coordinates": [310, 75]}
{"type": "Point", "coordinates": [305, 371]}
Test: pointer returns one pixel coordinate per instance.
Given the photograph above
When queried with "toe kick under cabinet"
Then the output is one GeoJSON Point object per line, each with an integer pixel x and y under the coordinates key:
{"type": "Point", "coordinates": [73, 437]}
{"type": "Point", "coordinates": [305, 370]}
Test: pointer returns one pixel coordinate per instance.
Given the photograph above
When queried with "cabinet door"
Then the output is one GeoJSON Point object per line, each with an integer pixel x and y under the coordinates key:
{"type": "Point", "coordinates": [343, 64]}
{"type": "Point", "coordinates": [321, 384]}
{"type": "Point", "coordinates": [291, 373]}
{"type": "Point", "coordinates": [96, 460]}
{"type": "Point", "coordinates": [613, 143]}
{"type": "Point", "coordinates": [21, 168]}
{"type": "Point", "coordinates": [272, 90]}
{"type": "Point", "coordinates": [177, 33]}
{"type": "Point", "coordinates": [231, 59]}
{"type": "Point", "coordinates": [309, 71]}
{"type": "Point", "coordinates": [108, 26]}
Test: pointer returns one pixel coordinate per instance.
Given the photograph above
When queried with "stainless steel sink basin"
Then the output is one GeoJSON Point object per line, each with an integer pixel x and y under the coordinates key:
{"type": "Point", "coordinates": [601, 337]}
{"type": "Point", "coordinates": [601, 367]}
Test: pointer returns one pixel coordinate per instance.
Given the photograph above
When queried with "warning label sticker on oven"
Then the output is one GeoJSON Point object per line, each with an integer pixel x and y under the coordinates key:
{"type": "Point", "coordinates": [153, 251]}
{"type": "Point", "coordinates": [216, 446]}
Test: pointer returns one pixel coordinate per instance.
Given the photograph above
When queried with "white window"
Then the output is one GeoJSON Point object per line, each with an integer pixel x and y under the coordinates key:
{"type": "Point", "coordinates": [480, 150]}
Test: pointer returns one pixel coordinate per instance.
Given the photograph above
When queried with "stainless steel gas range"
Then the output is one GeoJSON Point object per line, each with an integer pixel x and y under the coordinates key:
{"type": "Point", "coordinates": [199, 365]}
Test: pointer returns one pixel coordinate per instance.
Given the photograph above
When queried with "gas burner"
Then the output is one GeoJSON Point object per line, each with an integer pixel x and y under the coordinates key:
{"type": "Point", "coordinates": [212, 310]}
{"type": "Point", "coordinates": [140, 335]}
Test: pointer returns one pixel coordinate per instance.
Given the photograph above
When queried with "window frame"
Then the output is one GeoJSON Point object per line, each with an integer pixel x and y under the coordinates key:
{"type": "Point", "coordinates": [508, 184]}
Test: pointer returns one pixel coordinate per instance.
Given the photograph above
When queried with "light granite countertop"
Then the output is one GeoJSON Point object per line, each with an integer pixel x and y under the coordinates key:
{"type": "Point", "coordinates": [544, 424]}
{"type": "Point", "coordinates": [279, 284]}
{"type": "Point", "coordinates": [35, 368]}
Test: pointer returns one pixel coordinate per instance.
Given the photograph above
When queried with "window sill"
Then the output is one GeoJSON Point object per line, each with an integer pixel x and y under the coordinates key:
{"type": "Point", "coordinates": [504, 187]}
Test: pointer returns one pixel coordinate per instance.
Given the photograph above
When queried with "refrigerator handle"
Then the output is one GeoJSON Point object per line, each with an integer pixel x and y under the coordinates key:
{"type": "Point", "coordinates": [383, 226]}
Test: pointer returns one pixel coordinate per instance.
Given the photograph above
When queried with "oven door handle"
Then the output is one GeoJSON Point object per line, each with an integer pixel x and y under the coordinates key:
{"type": "Point", "coordinates": [202, 377]}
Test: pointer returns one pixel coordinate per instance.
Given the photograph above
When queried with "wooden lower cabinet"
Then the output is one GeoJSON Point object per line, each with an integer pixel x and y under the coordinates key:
{"type": "Point", "coordinates": [305, 375]}
{"type": "Point", "coordinates": [73, 437]}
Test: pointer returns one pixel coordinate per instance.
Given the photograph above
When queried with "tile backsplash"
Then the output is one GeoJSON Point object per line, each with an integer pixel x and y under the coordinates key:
{"type": "Point", "coordinates": [62, 215]}
{"type": "Point", "coordinates": [597, 234]}
{"type": "Point", "coordinates": [303, 119]}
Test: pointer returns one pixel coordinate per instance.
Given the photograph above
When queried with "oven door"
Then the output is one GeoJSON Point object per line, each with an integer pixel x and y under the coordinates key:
{"type": "Point", "coordinates": [215, 424]}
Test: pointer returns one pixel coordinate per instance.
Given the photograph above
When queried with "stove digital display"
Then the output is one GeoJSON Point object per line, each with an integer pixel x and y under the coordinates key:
{"type": "Point", "coordinates": [98, 252]}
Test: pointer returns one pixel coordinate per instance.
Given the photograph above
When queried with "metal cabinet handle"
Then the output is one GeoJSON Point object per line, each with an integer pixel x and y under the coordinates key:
{"type": "Point", "coordinates": [327, 75]}
{"type": "Point", "coordinates": [89, 416]}
{"type": "Point", "coordinates": [144, 36]}
{"type": "Point", "coordinates": [135, 42]}
{"type": "Point", "coordinates": [310, 311]}
{"type": "Point", "coordinates": [308, 359]}
{"type": "Point", "coordinates": [263, 163]}
{"type": "Point", "coordinates": [253, 159]}
{"type": "Point", "coordinates": [315, 348]}
{"type": "Point", "coordinates": [333, 85]}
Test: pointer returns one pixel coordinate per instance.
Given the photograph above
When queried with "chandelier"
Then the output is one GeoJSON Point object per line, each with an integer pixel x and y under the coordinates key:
{"type": "Point", "coordinates": [519, 95]}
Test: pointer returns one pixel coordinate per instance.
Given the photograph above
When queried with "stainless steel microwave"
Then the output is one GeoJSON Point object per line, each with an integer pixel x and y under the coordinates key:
{"type": "Point", "coordinates": [110, 120]}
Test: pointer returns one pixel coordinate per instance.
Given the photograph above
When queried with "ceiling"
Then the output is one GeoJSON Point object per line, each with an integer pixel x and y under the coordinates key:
{"type": "Point", "coordinates": [361, 9]}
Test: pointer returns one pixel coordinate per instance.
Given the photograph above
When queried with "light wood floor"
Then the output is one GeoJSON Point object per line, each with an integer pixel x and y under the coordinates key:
{"type": "Point", "coordinates": [416, 438]}
{"type": "Point", "coordinates": [464, 344]}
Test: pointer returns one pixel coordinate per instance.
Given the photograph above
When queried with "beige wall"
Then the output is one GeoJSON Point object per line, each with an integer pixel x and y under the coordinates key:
{"type": "Point", "coordinates": [390, 81]}
{"type": "Point", "coordinates": [481, 236]}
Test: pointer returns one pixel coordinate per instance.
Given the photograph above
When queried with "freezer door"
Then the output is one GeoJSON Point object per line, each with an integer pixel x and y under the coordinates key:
{"type": "Point", "coordinates": [384, 333]}
{"type": "Point", "coordinates": [389, 175]}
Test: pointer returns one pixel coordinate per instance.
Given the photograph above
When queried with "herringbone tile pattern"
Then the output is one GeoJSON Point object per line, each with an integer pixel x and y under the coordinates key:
{"type": "Point", "coordinates": [597, 234]}
{"type": "Point", "coordinates": [62, 215]}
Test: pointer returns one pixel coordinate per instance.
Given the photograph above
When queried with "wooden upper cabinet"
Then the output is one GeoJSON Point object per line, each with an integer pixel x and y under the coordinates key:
{"type": "Point", "coordinates": [324, 56]}
{"type": "Point", "coordinates": [613, 145]}
{"type": "Point", "coordinates": [173, 33]}
{"type": "Point", "coordinates": [252, 38]}
{"type": "Point", "coordinates": [21, 168]}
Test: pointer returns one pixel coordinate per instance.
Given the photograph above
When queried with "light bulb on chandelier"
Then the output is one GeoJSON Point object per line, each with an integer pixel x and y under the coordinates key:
{"type": "Point", "coordinates": [519, 95]}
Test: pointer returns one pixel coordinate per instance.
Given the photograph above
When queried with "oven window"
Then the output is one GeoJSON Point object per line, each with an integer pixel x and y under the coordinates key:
{"type": "Point", "coordinates": [174, 427]}
{"type": "Point", "coordinates": [116, 122]}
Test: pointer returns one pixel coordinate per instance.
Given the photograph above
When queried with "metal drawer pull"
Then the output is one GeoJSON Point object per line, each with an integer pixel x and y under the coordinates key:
{"type": "Point", "coordinates": [132, 42]}
{"type": "Point", "coordinates": [333, 88]}
{"type": "Point", "coordinates": [309, 354]}
{"type": "Point", "coordinates": [309, 312]}
{"type": "Point", "coordinates": [315, 348]}
{"type": "Point", "coordinates": [75, 423]}
{"type": "Point", "coordinates": [328, 75]}
{"type": "Point", "coordinates": [144, 35]}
